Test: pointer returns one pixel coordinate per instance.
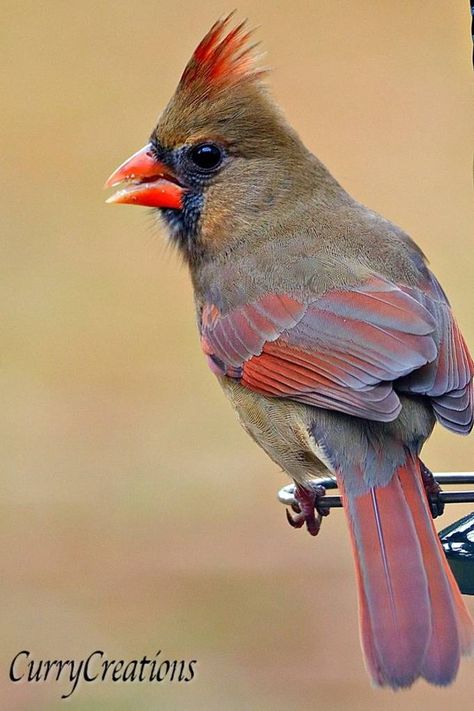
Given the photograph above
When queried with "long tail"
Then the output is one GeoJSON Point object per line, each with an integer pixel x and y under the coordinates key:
{"type": "Point", "coordinates": [413, 620]}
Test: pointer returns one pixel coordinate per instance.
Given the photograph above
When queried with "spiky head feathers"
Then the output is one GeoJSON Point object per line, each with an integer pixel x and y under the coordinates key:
{"type": "Point", "coordinates": [221, 60]}
{"type": "Point", "coordinates": [222, 105]}
{"type": "Point", "coordinates": [221, 95]}
{"type": "Point", "coordinates": [222, 163]}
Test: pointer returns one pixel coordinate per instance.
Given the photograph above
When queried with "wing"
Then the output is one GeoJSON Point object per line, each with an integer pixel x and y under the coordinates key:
{"type": "Point", "coordinates": [341, 351]}
{"type": "Point", "coordinates": [448, 379]}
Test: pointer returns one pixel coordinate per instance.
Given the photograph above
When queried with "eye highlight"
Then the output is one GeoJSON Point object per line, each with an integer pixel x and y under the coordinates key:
{"type": "Point", "coordinates": [206, 156]}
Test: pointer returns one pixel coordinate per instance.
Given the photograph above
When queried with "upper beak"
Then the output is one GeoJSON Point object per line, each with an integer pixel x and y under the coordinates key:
{"type": "Point", "coordinates": [149, 182]}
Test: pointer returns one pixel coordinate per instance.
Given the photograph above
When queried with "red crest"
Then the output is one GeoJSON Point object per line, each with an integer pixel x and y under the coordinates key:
{"type": "Point", "coordinates": [221, 59]}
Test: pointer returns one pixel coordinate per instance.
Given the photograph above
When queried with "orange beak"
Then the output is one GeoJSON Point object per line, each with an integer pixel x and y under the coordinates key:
{"type": "Point", "coordinates": [148, 182]}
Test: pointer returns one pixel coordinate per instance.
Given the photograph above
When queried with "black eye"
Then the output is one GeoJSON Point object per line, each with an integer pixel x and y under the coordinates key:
{"type": "Point", "coordinates": [207, 156]}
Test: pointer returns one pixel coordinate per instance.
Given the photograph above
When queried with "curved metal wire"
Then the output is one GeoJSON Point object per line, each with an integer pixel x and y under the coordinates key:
{"type": "Point", "coordinates": [286, 494]}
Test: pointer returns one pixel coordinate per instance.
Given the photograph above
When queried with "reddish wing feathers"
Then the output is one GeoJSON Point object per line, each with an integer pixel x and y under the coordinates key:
{"type": "Point", "coordinates": [448, 379]}
{"type": "Point", "coordinates": [343, 350]}
{"type": "Point", "coordinates": [335, 352]}
{"type": "Point", "coordinates": [241, 334]}
{"type": "Point", "coordinates": [220, 59]}
{"type": "Point", "coordinates": [272, 375]}
{"type": "Point", "coordinates": [452, 390]}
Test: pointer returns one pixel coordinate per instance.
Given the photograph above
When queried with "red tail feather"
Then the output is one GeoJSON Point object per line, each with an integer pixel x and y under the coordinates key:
{"type": "Point", "coordinates": [413, 620]}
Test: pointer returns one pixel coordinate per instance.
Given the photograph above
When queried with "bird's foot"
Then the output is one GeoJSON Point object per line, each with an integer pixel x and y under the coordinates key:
{"type": "Point", "coordinates": [307, 508]}
{"type": "Point", "coordinates": [433, 490]}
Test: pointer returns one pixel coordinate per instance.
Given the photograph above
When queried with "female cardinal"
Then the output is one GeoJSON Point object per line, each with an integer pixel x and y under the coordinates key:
{"type": "Point", "coordinates": [329, 334]}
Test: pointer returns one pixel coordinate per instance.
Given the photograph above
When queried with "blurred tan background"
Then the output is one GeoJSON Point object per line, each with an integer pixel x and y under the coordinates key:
{"type": "Point", "coordinates": [135, 513]}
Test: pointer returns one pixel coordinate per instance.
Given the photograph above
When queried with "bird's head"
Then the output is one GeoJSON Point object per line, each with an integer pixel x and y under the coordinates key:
{"type": "Point", "coordinates": [221, 156]}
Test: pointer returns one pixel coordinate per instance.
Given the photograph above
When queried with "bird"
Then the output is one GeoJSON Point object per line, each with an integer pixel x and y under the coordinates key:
{"type": "Point", "coordinates": [329, 334]}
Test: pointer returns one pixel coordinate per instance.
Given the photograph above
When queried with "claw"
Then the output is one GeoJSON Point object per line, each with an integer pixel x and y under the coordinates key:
{"type": "Point", "coordinates": [307, 509]}
{"type": "Point", "coordinates": [432, 489]}
{"type": "Point", "coordinates": [320, 491]}
{"type": "Point", "coordinates": [294, 521]}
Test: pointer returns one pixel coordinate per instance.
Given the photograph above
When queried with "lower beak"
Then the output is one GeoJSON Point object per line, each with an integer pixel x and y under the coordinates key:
{"type": "Point", "coordinates": [148, 182]}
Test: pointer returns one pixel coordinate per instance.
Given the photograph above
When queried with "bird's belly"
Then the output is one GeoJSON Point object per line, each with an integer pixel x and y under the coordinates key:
{"type": "Point", "coordinates": [308, 441]}
{"type": "Point", "coordinates": [281, 427]}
